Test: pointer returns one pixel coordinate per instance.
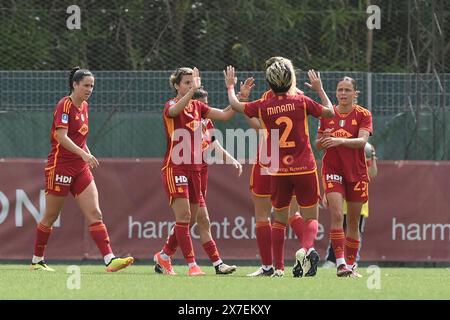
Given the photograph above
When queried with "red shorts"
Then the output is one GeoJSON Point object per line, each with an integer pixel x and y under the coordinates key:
{"type": "Point", "coordinates": [260, 181]}
{"type": "Point", "coordinates": [351, 191]}
{"type": "Point", "coordinates": [74, 176]}
{"type": "Point", "coordinates": [180, 183]}
{"type": "Point", "coordinates": [204, 186]}
{"type": "Point", "coordinates": [304, 186]}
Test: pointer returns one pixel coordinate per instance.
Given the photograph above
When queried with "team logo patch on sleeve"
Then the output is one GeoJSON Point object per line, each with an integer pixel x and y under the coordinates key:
{"type": "Point", "coordinates": [65, 118]}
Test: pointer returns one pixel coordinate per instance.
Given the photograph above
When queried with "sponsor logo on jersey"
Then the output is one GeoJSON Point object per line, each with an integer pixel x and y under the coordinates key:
{"type": "Point", "coordinates": [333, 177]}
{"type": "Point", "coordinates": [181, 180]}
{"type": "Point", "coordinates": [63, 179]}
{"type": "Point", "coordinates": [341, 133]}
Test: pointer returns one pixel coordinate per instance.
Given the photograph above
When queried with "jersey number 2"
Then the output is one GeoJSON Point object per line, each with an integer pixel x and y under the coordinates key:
{"type": "Point", "coordinates": [286, 132]}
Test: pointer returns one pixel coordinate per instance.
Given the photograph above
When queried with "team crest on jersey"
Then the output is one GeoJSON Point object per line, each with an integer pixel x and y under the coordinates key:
{"type": "Point", "coordinates": [341, 123]}
{"type": "Point", "coordinates": [84, 129]}
{"type": "Point", "coordinates": [65, 118]}
{"type": "Point", "coordinates": [354, 123]}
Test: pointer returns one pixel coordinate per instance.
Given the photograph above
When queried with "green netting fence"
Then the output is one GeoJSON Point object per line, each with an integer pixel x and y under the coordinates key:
{"type": "Point", "coordinates": [410, 111]}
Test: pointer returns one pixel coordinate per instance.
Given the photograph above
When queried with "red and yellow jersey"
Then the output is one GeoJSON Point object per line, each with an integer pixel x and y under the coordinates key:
{"type": "Point", "coordinates": [348, 162]}
{"type": "Point", "coordinates": [207, 135]}
{"type": "Point", "coordinates": [75, 120]}
{"type": "Point", "coordinates": [288, 114]}
{"type": "Point", "coordinates": [266, 96]}
{"type": "Point", "coordinates": [262, 148]}
{"type": "Point", "coordinates": [187, 125]}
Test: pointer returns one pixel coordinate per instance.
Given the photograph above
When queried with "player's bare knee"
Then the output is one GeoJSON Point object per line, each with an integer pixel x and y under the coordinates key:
{"type": "Point", "coordinates": [353, 224]}
{"type": "Point", "coordinates": [336, 215]}
{"type": "Point", "coordinates": [96, 214]}
{"type": "Point", "coordinates": [203, 222]}
{"type": "Point", "coordinates": [49, 219]}
{"type": "Point", "coordinates": [184, 217]}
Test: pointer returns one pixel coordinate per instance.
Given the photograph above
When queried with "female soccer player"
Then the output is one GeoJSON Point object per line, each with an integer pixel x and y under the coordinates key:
{"type": "Point", "coordinates": [344, 171]}
{"type": "Point", "coordinates": [270, 238]}
{"type": "Point", "coordinates": [201, 217]}
{"type": "Point", "coordinates": [69, 169]}
{"type": "Point", "coordinates": [183, 161]}
{"type": "Point", "coordinates": [292, 166]}
{"type": "Point", "coordinates": [372, 169]}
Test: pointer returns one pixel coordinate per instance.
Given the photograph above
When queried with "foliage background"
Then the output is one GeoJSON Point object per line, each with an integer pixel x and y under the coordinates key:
{"type": "Point", "coordinates": [161, 35]}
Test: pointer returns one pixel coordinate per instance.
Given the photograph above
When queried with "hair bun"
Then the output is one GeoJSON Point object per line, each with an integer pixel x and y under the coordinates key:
{"type": "Point", "coordinates": [74, 69]}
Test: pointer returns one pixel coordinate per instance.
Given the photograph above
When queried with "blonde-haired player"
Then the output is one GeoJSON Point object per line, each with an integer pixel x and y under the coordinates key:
{"type": "Point", "coordinates": [296, 171]}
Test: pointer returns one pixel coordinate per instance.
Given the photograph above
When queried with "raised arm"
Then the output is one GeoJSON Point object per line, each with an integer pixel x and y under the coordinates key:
{"type": "Point", "coordinates": [178, 107]}
{"type": "Point", "coordinates": [244, 95]}
{"type": "Point", "coordinates": [230, 81]}
{"type": "Point", "coordinates": [316, 85]}
{"type": "Point", "coordinates": [253, 122]}
{"type": "Point", "coordinates": [228, 112]}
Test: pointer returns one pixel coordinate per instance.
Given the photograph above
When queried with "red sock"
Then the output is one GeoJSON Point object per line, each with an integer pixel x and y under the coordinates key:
{"type": "Point", "coordinates": [264, 240]}
{"type": "Point", "coordinates": [100, 235]}
{"type": "Point", "coordinates": [170, 247]}
{"type": "Point", "coordinates": [310, 233]}
{"type": "Point", "coordinates": [185, 241]}
{"type": "Point", "coordinates": [278, 234]}
{"type": "Point", "coordinates": [351, 250]}
{"type": "Point", "coordinates": [337, 237]}
{"type": "Point", "coordinates": [211, 250]}
{"type": "Point", "coordinates": [297, 224]}
{"type": "Point", "coordinates": [42, 235]}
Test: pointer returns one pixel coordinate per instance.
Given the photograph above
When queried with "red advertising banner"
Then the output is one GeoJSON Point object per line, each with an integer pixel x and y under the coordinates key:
{"type": "Point", "coordinates": [409, 213]}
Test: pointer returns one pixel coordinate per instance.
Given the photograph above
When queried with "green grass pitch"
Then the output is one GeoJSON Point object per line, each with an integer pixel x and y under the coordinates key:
{"type": "Point", "coordinates": [140, 282]}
